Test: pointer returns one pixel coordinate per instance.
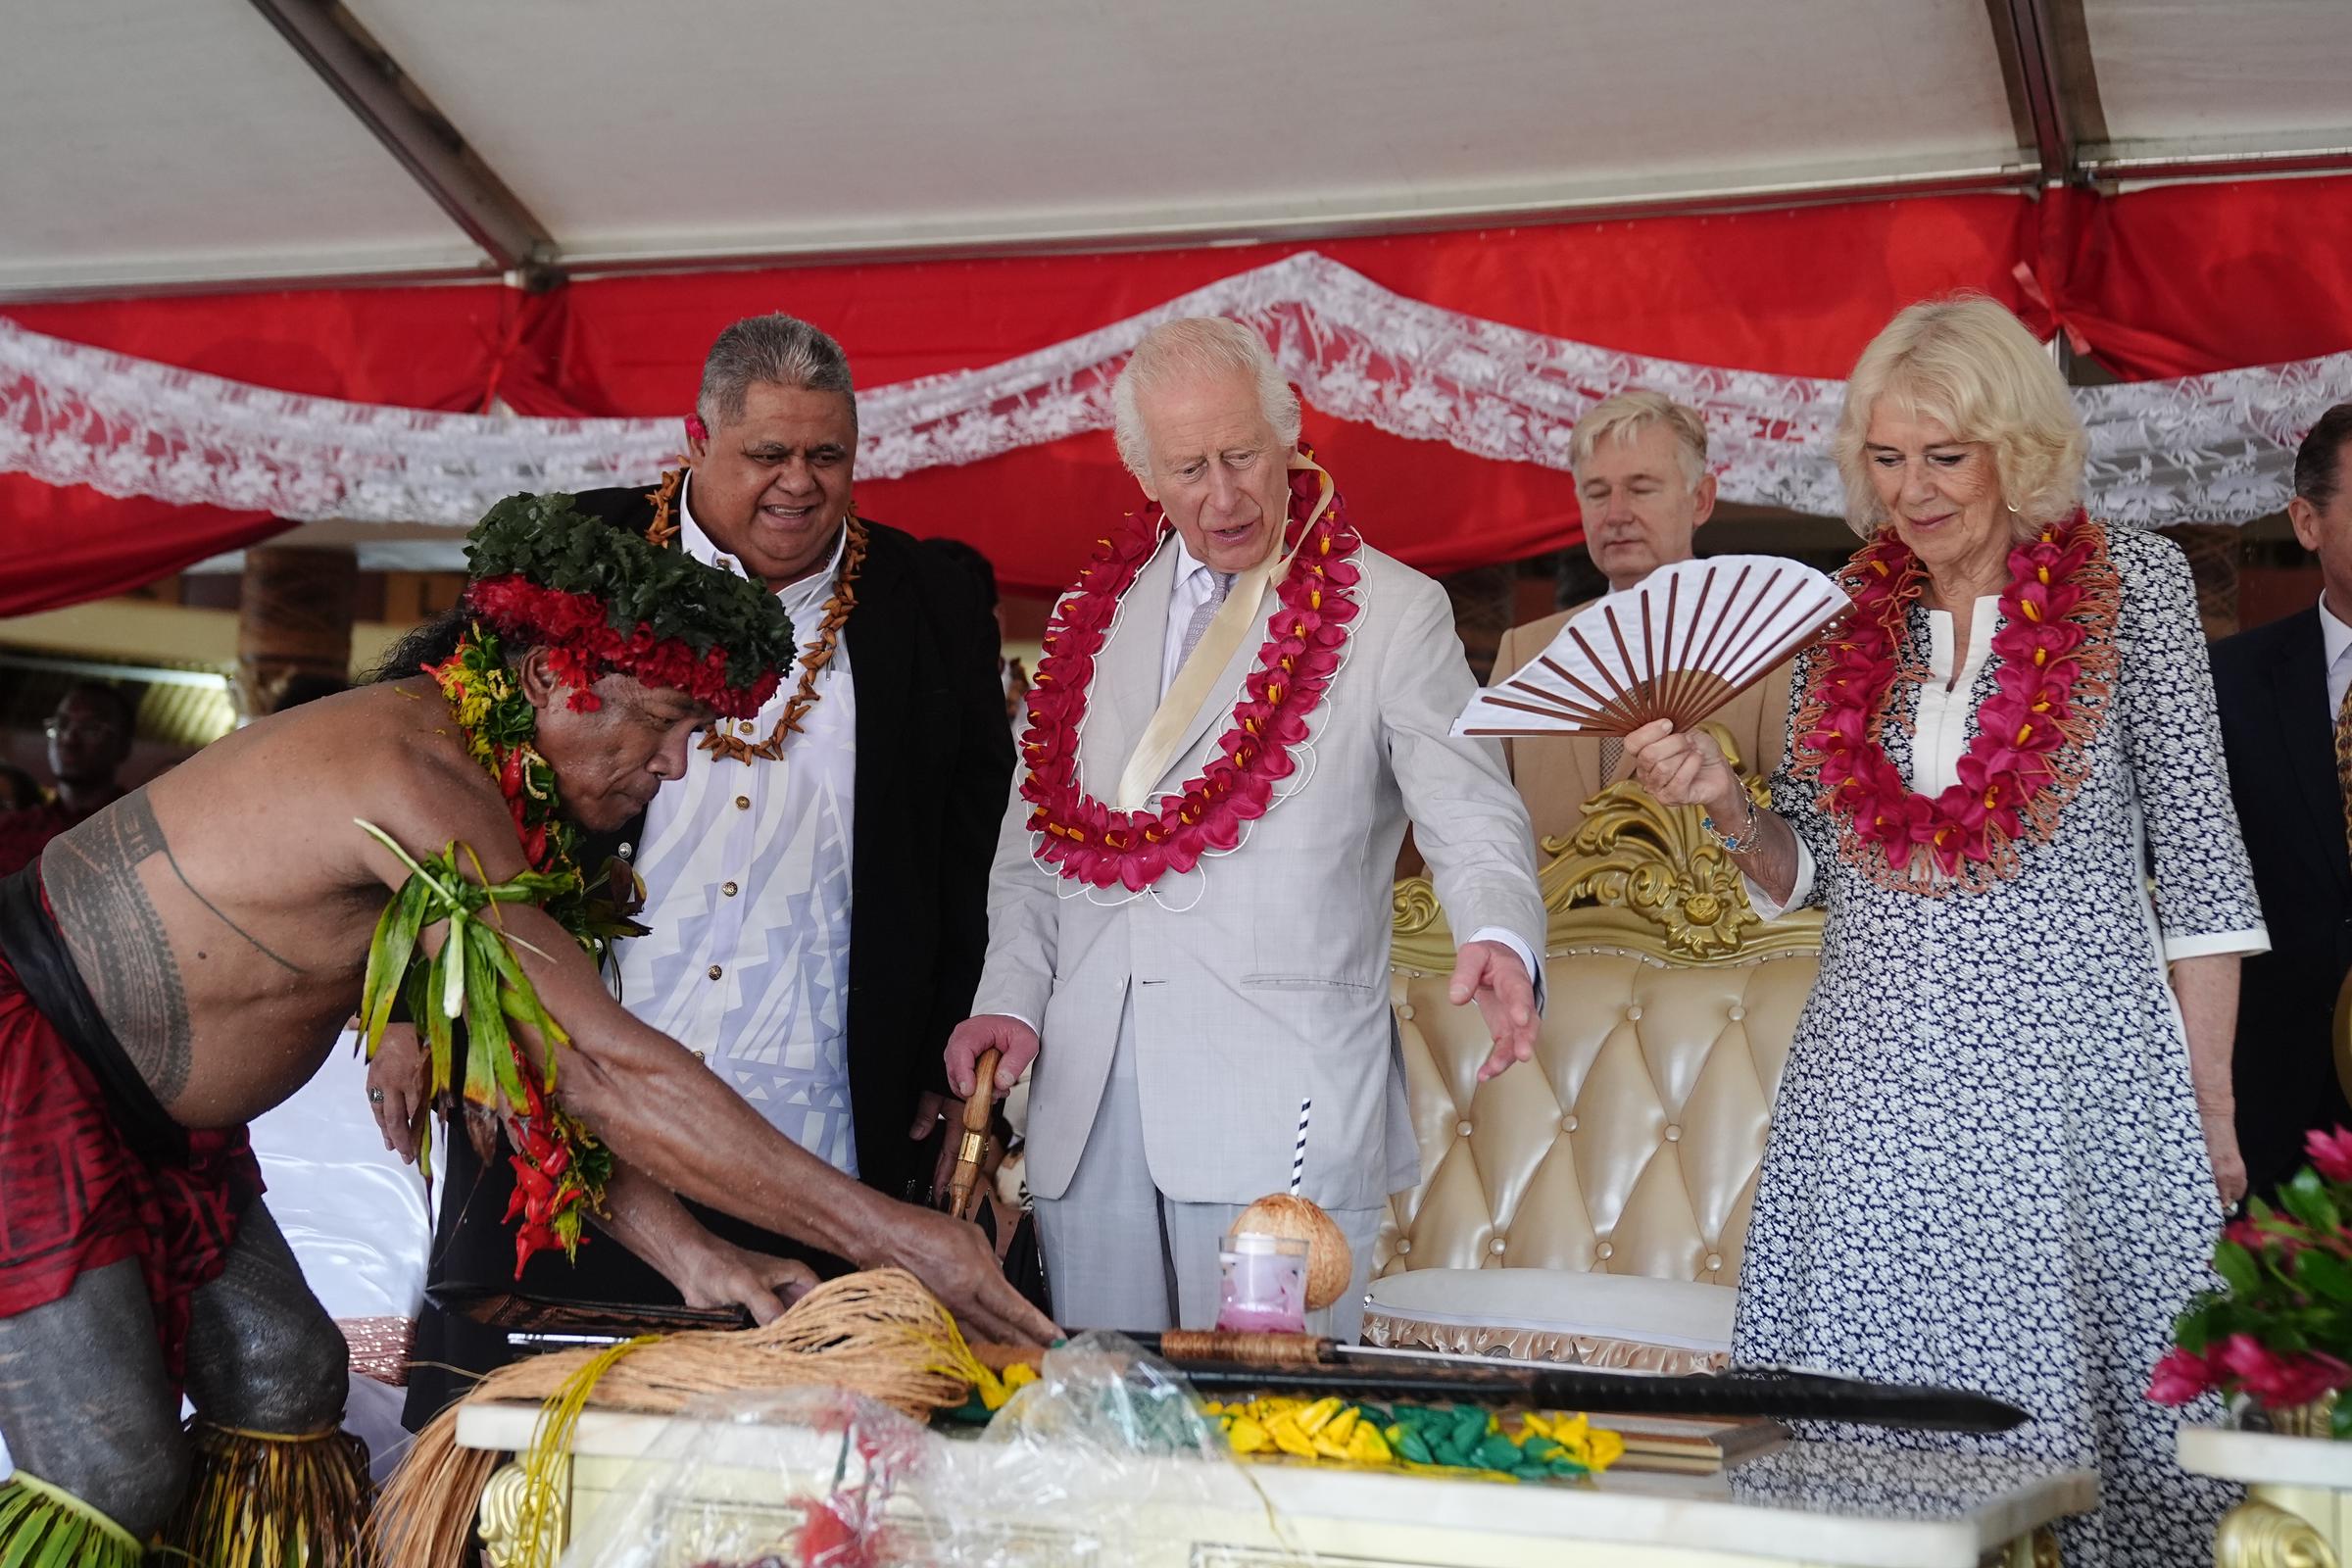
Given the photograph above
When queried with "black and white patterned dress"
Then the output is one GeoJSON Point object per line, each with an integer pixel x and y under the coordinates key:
{"type": "Point", "coordinates": [1986, 1166]}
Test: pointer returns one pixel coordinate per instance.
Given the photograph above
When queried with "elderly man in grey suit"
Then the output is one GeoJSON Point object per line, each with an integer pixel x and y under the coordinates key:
{"type": "Point", "coordinates": [1190, 906]}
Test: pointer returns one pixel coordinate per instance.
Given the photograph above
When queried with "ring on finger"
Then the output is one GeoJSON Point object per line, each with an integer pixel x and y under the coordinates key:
{"type": "Point", "coordinates": [375, 1096]}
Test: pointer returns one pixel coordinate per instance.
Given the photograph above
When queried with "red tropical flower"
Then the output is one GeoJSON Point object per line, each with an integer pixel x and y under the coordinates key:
{"type": "Point", "coordinates": [2182, 1377]}
{"type": "Point", "coordinates": [2279, 1379]}
{"type": "Point", "coordinates": [2330, 1153]}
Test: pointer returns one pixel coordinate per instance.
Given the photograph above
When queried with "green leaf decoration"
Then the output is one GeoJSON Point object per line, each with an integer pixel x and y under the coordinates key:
{"type": "Point", "coordinates": [2306, 1198]}
{"type": "Point", "coordinates": [475, 976]}
{"type": "Point", "coordinates": [42, 1526]}
{"type": "Point", "coordinates": [2235, 1264]}
{"type": "Point", "coordinates": [549, 540]}
{"type": "Point", "coordinates": [2323, 1274]}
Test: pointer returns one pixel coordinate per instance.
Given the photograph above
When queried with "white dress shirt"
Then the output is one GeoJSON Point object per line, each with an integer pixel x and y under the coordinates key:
{"type": "Point", "coordinates": [1196, 584]}
{"type": "Point", "coordinates": [2336, 638]}
{"type": "Point", "coordinates": [746, 880]}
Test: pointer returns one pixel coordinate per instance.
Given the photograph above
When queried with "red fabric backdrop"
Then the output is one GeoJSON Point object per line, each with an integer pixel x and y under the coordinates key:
{"type": "Point", "coordinates": [2163, 282]}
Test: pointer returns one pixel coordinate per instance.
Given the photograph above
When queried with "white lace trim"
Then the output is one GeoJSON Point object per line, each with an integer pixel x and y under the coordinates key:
{"type": "Point", "coordinates": [2214, 448]}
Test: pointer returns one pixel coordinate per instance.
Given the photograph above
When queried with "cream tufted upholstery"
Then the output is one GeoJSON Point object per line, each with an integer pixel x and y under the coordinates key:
{"type": "Point", "coordinates": [1630, 1144]}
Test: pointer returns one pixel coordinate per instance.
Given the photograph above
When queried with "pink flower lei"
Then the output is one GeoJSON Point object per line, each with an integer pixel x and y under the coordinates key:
{"type": "Point", "coordinates": [2056, 664]}
{"type": "Point", "coordinates": [1089, 842]}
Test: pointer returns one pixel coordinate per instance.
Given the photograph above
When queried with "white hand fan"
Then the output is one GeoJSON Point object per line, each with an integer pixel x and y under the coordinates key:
{"type": "Point", "coordinates": [1677, 645]}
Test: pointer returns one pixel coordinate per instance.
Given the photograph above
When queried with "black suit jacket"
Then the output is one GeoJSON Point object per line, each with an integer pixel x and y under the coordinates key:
{"type": "Point", "coordinates": [934, 768]}
{"type": "Point", "coordinates": [2271, 687]}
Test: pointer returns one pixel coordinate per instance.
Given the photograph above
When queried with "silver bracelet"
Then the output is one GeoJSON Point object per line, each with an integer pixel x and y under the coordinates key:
{"type": "Point", "coordinates": [1751, 834]}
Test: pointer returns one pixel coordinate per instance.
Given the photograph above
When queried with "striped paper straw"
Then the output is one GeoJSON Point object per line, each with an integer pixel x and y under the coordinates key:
{"type": "Point", "coordinates": [1298, 1151]}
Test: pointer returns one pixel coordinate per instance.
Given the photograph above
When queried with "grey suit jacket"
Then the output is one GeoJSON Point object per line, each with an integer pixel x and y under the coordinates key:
{"type": "Point", "coordinates": [1261, 977]}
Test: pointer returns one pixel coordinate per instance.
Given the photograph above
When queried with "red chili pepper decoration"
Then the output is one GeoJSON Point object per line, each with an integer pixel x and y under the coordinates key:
{"type": "Point", "coordinates": [547, 1187]}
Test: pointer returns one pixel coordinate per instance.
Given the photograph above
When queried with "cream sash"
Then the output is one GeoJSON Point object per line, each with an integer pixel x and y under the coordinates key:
{"type": "Point", "coordinates": [1236, 620]}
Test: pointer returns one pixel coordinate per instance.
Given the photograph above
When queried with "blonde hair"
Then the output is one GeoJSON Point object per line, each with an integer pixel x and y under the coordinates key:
{"type": "Point", "coordinates": [1623, 415]}
{"type": "Point", "coordinates": [1197, 345]}
{"type": "Point", "coordinates": [1969, 364]}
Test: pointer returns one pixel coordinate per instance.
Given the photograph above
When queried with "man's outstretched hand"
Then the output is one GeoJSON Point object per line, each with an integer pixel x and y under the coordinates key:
{"type": "Point", "coordinates": [1015, 1043]}
{"type": "Point", "coordinates": [953, 1257]}
{"type": "Point", "coordinates": [722, 1274]}
{"type": "Point", "coordinates": [1494, 976]}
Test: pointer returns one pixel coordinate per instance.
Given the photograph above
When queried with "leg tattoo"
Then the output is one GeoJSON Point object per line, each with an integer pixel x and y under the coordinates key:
{"type": "Point", "coordinates": [276, 1480]}
{"type": "Point", "coordinates": [86, 1404]}
{"type": "Point", "coordinates": [262, 1354]}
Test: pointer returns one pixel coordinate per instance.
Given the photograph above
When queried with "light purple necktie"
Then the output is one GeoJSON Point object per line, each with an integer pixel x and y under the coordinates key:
{"type": "Point", "coordinates": [1203, 615]}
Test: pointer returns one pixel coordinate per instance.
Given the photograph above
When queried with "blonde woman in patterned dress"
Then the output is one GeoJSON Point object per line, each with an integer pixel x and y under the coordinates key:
{"type": "Point", "coordinates": [2003, 1142]}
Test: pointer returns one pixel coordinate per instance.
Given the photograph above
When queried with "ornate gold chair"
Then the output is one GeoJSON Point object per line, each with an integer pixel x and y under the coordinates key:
{"type": "Point", "coordinates": [1589, 1205]}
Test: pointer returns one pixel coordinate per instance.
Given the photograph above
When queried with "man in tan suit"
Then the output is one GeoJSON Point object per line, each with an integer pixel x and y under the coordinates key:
{"type": "Point", "coordinates": [1641, 464]}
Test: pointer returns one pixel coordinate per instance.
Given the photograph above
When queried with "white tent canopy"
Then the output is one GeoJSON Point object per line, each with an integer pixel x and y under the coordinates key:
{"type": "Point", "coordinates": [190, 143]}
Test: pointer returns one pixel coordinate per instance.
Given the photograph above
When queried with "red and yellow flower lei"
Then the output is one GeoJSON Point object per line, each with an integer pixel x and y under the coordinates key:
{"type": "Point", "coordinates": [1306, 637]}
{"type": "Point", "coordinates": [560, 1168]}
{"type": "Point", "coordinates": [2057, 660]}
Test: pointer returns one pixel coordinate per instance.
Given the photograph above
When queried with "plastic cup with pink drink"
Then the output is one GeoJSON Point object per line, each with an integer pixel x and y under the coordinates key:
{"type": "Point", "coordinates": [1263, 1289]}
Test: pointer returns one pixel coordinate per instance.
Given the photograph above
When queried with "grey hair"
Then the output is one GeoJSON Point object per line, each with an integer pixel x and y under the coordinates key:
{"type": "Point", "coordinates": [1197, 345]}
{"type": "Point", "coordinates": [781, 350]}
{"type": "Point", "coordinates": [1623, 415]}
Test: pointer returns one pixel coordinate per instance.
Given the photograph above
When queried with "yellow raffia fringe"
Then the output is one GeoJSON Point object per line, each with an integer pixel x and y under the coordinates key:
{"type": "Point", "coordinates": [879, 1334]}
{"type": "Point", "coordinates": [262, 1499]}
{"type": "Point", "coordinates": [44, 1526]}
{"type": "Point", "coordinates": [544, 1467]}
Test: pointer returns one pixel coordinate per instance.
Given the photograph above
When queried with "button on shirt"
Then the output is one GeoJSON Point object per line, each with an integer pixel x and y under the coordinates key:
{"type": "Point", "coordinates": [747, 876]}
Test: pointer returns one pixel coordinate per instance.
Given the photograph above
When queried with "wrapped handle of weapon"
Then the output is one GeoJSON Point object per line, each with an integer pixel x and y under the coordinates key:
{"type": "Point", "coordinates": [964, 1185]}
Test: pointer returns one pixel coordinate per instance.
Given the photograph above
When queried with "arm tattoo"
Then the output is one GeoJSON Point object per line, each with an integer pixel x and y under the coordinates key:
{"type": "Point", "coordinates": [118, 940]}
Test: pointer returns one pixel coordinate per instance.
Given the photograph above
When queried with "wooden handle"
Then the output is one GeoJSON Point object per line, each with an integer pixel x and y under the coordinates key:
{"type": "Point", "coordinates": [1246, 1349]}
{"type": "Point", "coordinates": [964, 1185]}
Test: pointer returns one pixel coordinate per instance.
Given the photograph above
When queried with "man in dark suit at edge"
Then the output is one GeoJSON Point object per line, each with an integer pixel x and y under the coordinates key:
{"type": "Point", "coordinates": [2287, 728]}
{"type": "Point", "coordinates": [817, 882]}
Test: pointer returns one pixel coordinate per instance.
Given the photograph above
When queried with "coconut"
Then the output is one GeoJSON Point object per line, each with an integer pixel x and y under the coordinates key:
{"type": "Point", "coordinates": [1329, 1258]}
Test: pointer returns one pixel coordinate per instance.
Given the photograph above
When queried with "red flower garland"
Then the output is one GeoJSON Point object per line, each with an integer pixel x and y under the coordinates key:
{"type": "Point", "coordinates": [1090, 842]}
{"type": "Point", "coordinates": [582, 646]}
{"type": "Point", "coordinates": [2055, 647]}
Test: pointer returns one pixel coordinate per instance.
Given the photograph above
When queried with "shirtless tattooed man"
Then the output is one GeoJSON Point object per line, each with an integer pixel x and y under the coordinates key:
{"type": "Point", "coordinates": [184, 959]}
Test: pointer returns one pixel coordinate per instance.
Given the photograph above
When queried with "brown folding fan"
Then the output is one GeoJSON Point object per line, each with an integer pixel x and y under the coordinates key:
{"type": "Point", "coordinates": [1679, 644]}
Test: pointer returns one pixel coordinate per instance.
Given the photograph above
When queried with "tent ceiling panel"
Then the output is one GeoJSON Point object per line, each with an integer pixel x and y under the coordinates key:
{"type": "Point", "coordinates": [750, 127]}
{"type": "Point", "coordinates": [184, 141]}
{"type": "Point", "coordinates": [2184, 78]}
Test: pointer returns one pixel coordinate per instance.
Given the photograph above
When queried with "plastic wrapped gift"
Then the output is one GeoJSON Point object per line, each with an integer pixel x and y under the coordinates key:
{"type": "Point", "coordinates": [1099, 1457]}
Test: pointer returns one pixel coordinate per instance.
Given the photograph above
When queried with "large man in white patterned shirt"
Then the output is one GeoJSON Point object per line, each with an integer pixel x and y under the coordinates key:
{"type": "Point", "coordinates": [1191, 900]}
{"type": "Point", "coordinates": [815, 884]}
